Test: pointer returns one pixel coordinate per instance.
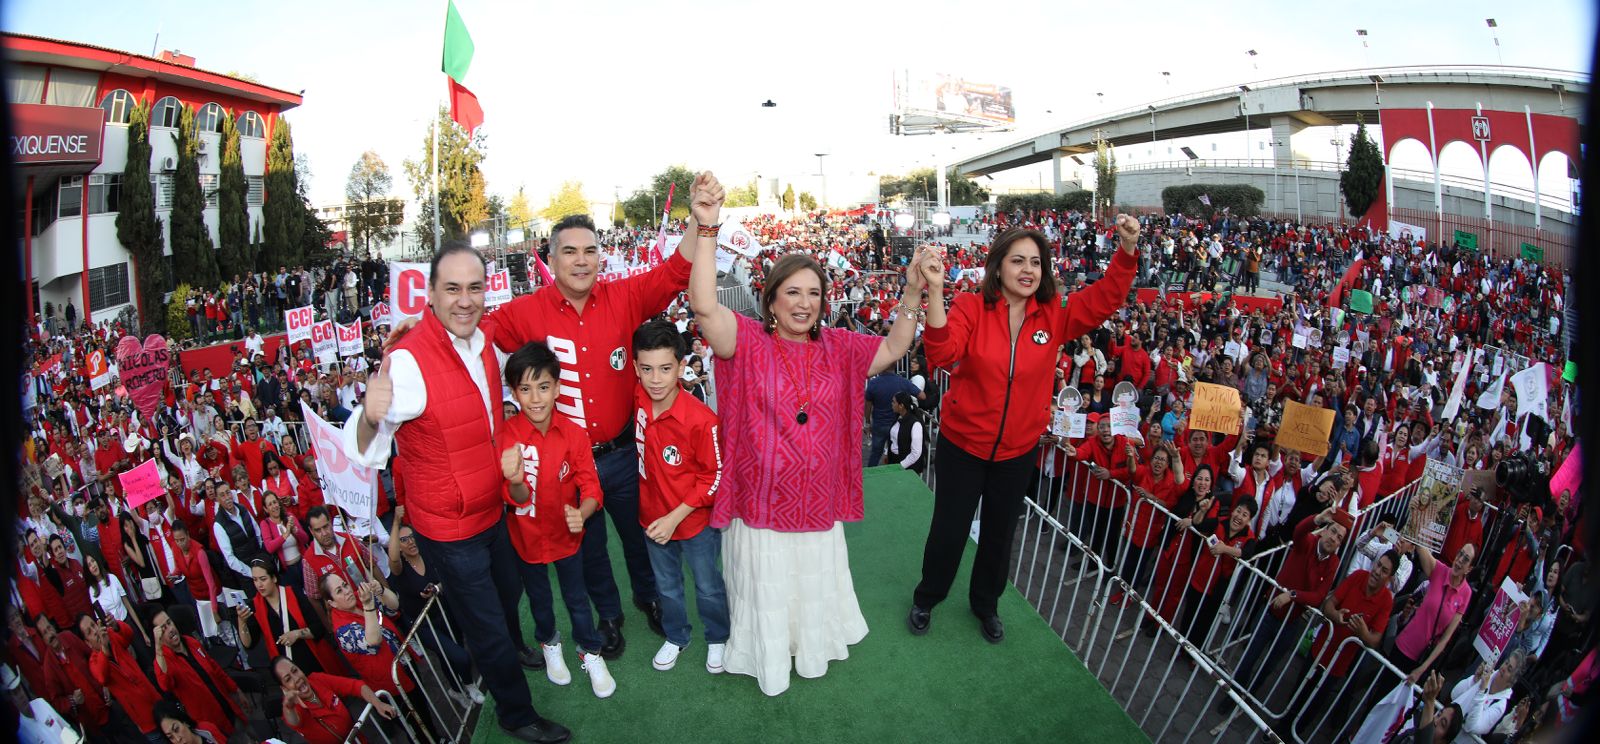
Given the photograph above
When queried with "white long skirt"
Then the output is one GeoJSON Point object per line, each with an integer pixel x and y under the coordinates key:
{"type": "Point", "coordinates": [790, 597]}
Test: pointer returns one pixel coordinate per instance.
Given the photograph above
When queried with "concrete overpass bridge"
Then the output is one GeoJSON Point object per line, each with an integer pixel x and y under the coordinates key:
{"type": "Point", "coordinates": [1280, 107]}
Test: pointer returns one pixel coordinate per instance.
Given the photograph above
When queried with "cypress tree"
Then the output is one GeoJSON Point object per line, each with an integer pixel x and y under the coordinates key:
{"type": "Point", "coordinates": [1363, 172]}
{"type": "Point", "coordinates": [283, 213]}
{"type": "Point", "coordinates": [138, 228]}
{"type": "Point", "coordinates": [234, 252]}
{"type": "Point", "coordinates": [193, 258]}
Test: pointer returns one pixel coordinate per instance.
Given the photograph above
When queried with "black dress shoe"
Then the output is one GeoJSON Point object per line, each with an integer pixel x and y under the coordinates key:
{"type": "Point", "coordinates": [543, 731]}
{"type": "Point", "coordinates": [918, 620]}
{"type": "Point", "coordinates": [994, 631]}
{"type": "Point", "coordinates": [611, 641]}
{"type": "Point", "coordinates": [652, 615]}
{"type": "Point", "coordinates": [530, 658]}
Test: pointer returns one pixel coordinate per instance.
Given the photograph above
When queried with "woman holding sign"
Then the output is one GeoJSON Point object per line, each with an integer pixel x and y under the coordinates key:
{"type": "Point", "coordinates": [1003, 344]}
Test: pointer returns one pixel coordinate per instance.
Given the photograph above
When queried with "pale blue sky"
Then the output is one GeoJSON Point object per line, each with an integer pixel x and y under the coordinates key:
{"type": "Point", "coordinates": [608, 91]}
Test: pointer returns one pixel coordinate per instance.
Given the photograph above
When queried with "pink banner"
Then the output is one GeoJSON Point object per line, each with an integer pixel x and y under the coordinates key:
{"type": "Point", "coordinates": [141, 484]}
{"type": "Point", "coordinates": [1570, 474]}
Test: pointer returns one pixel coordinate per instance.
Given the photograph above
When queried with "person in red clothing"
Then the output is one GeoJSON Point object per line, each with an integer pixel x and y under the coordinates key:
{"type": "Point", "coordinates": [551, 480]}
{"type": "Point", "coordinates": [1135, 362]}
{"type": "Point", "coordinates": [1002, 344]}
{"type": "Point", "coordinates": [66, 576]}
{"type": "Point", "coordinates": [184, 669]}
{"type": "Point", "coordinates": [312, 703]}
{"type": "Point", "coordinates": [363, 624]}
{"type": "Point", "coordinates": [249, 449]}
{"type": "Point", "coordinates": [109, 528]}
{"type": "Point", "coordinates": [39, 579]}
{"type": "Point", "coordinates": [1466, 527]}
{"type": "Point", "coordinates": [1304, 581]}
{"type": "Point", "coordinates": [681, 457]}
{"type": "Point", "coordinates": [179, 728]}
{"type": "Point", "coordinates": [111, 663]}
{"type": "Point", "coordinates": [1159, 481]}
{"type": "Point", "coordinates": [1226, 540]}
{"type": "Point", "coordinates": [1360, 608]}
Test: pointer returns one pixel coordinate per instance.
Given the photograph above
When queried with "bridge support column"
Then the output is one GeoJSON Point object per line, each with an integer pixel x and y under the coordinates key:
{"type": "Point", "coordinates": [1283, 128]}
{"type": "Point", "coordinates": [1055, 171]}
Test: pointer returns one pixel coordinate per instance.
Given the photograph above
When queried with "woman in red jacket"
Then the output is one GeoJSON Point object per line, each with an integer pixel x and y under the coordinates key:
{"type": "Point", "coordinates": [1159, 481]}
{"type": "Point", "coordinates": [1002, 344]}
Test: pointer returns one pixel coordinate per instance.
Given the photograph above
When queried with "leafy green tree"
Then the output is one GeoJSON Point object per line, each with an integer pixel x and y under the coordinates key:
{"type": "Point", "coordinates": [788, 198]}
{"type": "Point", "coordinates": [369, 211]}
{"type": "Point", "coordinates": [568, 200]}
{"type": "Point", "coordinates": [1363, 172]}
{"type": "Point", "coordinates": [235, 253]}
{"type": "Point", "coordinates": [463, 199]}
{"type": "Point", "coordinates": [520, 213]}
{"type": "Point", "coordinates": [176, 314]}
{"type": "Point", "coordinates": [1105, 172]}
{"type": "Point", "coordinates": [619, 218]}
{"type": "Point", "coordinates": [743, 196]}
{"type": "Point", "coordinates": [642, 209]}
{"type": "Point", "coordinates": [193, 257]}
{"type": "Point", "coordinates": [923, 183]}
{"type": "Point", "coordinates": [138, 228]}
{"type": "Point", "coordinates": [807, 201]}
{"type": "Point", "coordinates": [283, 212]}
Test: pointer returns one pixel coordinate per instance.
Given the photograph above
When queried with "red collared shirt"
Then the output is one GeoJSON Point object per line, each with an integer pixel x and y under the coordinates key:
{"type": "Point", "coordinates": [558, 468]}
{"type": "Point", "coordinates": [680, 460]}
{"type": "Point", "coordinates": [595, 346]}
{"type": "Point", "coordinates": [329, 721]}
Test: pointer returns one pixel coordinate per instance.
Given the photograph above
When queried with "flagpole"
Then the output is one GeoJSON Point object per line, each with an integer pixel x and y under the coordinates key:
{"type": "Point", "coordinates": [435, 129]}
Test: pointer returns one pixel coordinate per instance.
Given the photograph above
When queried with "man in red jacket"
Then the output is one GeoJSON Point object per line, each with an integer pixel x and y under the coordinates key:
{"type": "Point", "coordinates": [112, 662]}
{"type": "Point", "coordinates": [437, 396]}
{"type": "Point", "coordinates": [1466, 527]}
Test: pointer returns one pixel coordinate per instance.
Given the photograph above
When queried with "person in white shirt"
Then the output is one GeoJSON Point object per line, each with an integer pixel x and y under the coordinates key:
{"type": "Point", "coordinates": [186, 460]}
{"type": "Point", "coordinates": [1483, 696]}
{"type": "Point", "coordinates": [273, 428]}
{"type": "Point", "coordinates": [254, 343]}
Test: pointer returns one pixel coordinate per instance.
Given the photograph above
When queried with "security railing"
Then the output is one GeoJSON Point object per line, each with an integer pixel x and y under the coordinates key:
{"type": "Point", "coordinates": [448, 696]}
{"type": "Point", "coordinates": [369, 723]}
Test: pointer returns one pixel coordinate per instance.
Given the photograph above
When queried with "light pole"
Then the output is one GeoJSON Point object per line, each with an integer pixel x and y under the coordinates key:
{"type": "Point", "coordinates": [1366, 51]}
{"type": "Point", "coordinates": [1338, 151]}
{"type": "Point", "coordinates": [1493, 32]}
{"type": "Point", "coordinates": [823, 174]}
{"type": "Point", "coordinates": [1152, 133]}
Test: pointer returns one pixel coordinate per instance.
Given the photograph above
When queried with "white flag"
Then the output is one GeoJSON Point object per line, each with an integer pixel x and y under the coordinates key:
{"type": "Point", "coordinates": [1490, 399]}
{"type": "Point", "coordinates": [1533, 393]}
{"type": "Point", "coordinates": [351, 487]}
{"type": "Point", "coordinates": [1459, 389]}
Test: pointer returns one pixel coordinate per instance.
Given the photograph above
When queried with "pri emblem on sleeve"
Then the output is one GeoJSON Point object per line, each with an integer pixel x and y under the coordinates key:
{"type": "Point", "coordinates": [1040, 337]}
{"type": "Point", "coordinates": [671, 456]}
{"type": "Point", "coordinates": [619, 357]}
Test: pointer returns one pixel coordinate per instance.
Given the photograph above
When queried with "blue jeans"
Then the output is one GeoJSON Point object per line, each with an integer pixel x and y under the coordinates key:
{"type": "Point", "coordinates": [700, 554]}
{"type": "Point", "coordinates": [880, 442]}
{"type": "Point", "coordinates": [619, 482]}
{"type": "Point", "coordinates": [480, 579]}
{"type": "Point", "coordinates": [574, 594]}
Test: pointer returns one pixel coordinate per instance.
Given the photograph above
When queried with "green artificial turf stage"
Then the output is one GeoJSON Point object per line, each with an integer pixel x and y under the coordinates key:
{"type": "Point", "coordinates": [947, 686]}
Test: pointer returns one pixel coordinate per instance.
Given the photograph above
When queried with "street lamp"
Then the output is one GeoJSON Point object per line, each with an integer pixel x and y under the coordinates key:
{"type": "Point", "coordinates": [1496, 35]}
{"type": "Point", "coordinates": [824, 176]}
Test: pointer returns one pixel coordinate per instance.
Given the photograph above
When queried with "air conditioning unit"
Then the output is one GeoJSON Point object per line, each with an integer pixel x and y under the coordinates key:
{"type": "Point", "coordinates": [169, 163]}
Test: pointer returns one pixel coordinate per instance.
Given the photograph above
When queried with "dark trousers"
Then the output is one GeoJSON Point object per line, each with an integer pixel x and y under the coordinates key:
{"type": "Point", "coordinates": [964, 482]}
{"type": "Point", "coordinates": [1199, 611]}
{"type": "Point", "coordinates": [880, 443]}
{"type": "Point", "coordinates": [619, 483]}
{"type": "Point", "coordinates": [481, 583]}
{"type": "Point", "coordinates": [1271, 640]}
{"type": "Point", "coordinates": [574, 594]}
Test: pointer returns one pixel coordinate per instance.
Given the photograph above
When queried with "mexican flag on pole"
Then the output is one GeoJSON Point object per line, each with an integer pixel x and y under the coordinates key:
{"type": "Point", "coordinates": [458, 48]}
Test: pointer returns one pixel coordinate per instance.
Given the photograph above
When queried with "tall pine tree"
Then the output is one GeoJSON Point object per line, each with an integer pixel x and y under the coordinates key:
{"type": "Point", "coordinates": [283, 213]}
{"type": "Point", "coordinates": [235, 256]}
{"type": "Point", "coordinates": [193, 258]}
{"type": "Point", "coordinates": [1363, 172]}
{"type": "Point", "coordinates": [138, 228]}
{"type": "Point", "coordinates": [463, 201]}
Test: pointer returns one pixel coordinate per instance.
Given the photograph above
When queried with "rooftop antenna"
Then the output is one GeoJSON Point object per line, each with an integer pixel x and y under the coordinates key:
{"type": "Point", "coordinates": [157, 43]}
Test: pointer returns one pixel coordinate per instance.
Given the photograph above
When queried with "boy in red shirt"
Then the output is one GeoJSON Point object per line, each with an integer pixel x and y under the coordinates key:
{"type": "Point", "coordinates": [553, 486]}
{"type": "Point", "coordinates": [680, 467]}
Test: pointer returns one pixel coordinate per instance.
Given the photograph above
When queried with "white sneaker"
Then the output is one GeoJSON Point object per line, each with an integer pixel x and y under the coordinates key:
{"type": "Point", "coordinates": [555, 667]}
{"type": "Point", "coordinates": [667, 657]}
{"type": "Point", "coordinates": [714, 653]}
{"type": "Point", "coordinates": [475, 694]}
{"type": "Point", "coordinates": [599, 676]}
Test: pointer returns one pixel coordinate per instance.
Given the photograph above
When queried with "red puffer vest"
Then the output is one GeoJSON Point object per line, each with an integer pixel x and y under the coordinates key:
{"type": "Point", "coordinates": [456, 490]}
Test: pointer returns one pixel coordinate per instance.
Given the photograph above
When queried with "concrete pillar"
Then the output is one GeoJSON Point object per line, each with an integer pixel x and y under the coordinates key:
{"type": "Point", "coordinates": [1055, 170]}
{"type": "Point", "coordinates": [1283, 128]}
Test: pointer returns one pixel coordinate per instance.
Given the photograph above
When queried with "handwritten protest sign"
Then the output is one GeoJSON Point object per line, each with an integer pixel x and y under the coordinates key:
{"type": "Point", "coordinates": [144, 371]}
{"type": "Point", "coordinates": [1216, 408]}
{"type": "Point", "coordinates": [141, 484]}
{"type": "Point", "coordinates": [1428, 517]}
{"type": "Point", "coordinates": [1341, 357]}
{"type": "Point", "coordinates": [1305, 428]}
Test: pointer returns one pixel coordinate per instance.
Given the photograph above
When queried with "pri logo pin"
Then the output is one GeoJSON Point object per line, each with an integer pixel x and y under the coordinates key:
{"type": "Point", "coordinates": [1041, 337]}
{"type": "Point", "coordinates": [671, 456]}
{"type": "Point", "coordinates": [619, 357]}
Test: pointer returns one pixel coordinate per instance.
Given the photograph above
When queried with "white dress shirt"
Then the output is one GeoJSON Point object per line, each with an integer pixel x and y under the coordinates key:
{"type": "Point", "coordinates": [410, 398]}
{"type": "Point", "coordinates": [224, 545]}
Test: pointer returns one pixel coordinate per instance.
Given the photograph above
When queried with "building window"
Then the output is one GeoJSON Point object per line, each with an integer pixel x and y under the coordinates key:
{"type": "Point", "coordinates": [250, 125]}
{"type": "Point", "coordinates": [208, 187]}
{"type": "Point", "coordinates": [166, 113]}
{"type": "Point", "coordinates": [108, 286]}
{"type": "Point", "coordinates": [118, 105]}
{"type": "Point", "coordinates": [161, 189]}
{"type": "Point", "coordinates": [105, 192]}
{"type": "Point", "coordinates": [257, 190]}
{"type": "Point", "coordinates": [71, 202]}
{"type": "Point", "coordinates": [25, 84]}
{"type": "Point", "coordinates": [209, 119]}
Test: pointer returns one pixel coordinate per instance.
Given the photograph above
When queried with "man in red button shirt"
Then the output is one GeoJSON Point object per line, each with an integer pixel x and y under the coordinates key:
{"type": "Point", "coordinates": [589, 325]}
{"type": "Point", "coordinates": [680, 469]}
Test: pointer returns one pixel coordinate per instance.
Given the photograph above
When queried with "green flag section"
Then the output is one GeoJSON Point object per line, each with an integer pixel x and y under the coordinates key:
{"type": "Point", "coordinates": [1466, 240]}
{"type": "Point", "coordinates": [1570, 374]}
{"type": "Point", "coordinates": [457, 45]}
{"type": "Point", "coordinates": [1531, 252]}
{"type": "Point", "coordinates": [1360, 301]}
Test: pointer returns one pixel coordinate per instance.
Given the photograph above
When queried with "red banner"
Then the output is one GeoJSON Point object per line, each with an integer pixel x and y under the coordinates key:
{"type": "Point", "coordinates": [55, 135]}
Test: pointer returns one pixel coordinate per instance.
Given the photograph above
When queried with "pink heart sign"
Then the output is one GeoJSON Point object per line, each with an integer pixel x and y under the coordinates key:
{"type": "Point", "coordinates": [144, 371]}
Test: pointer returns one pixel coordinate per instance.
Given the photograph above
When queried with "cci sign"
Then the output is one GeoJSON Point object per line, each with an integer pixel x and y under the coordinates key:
{"type": "Point", "coordinates": [55, 134]}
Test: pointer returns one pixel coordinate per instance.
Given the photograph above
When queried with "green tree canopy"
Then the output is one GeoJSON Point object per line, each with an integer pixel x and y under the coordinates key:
{"type": "Point", "coordinates": [807, 201]}
{"type": "Point", "coordinates": [371, 214]}
{"type": "Point", "coordinates": [1363, 172]}
{"type": "Point", "coordinates": [235, 252]}
{"type": "Point", "coordinates": [743, 196]}
{"type": "Point", "coordinates": [463, 200]}
{"type": "Point", "coordinates": [922, 183]}
{"type": "Point", "coordinates": [640, 209]}
{"type": "Point", "coordinates": [568, 200]}
{"type": "Point", "coordinates": [788, 197]}
{"type": "Point", "coordinates": [283, 214]}
{"type": "Point", "coordinates": [138, 228]}
{"type": "Point", "coordinates": [193, 257]}
{"type": "Point", "coordinates": [1105, 172]}
{"type": "Point", "coordinates": [519, 212]}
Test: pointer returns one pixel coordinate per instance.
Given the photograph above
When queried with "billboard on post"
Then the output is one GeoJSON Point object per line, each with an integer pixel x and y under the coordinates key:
{"type": "Point", "coordinates": [925, 101]}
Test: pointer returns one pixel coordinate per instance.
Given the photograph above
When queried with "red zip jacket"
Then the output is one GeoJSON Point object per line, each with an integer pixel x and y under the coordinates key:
{"type": "Point", "coordinates": [999, 398]}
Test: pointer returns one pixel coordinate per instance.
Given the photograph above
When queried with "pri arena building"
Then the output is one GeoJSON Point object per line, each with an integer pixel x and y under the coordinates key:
{"type": "Point", "coordinates": [69, 105]}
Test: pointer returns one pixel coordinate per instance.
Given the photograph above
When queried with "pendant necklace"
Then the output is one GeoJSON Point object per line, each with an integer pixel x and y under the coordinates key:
{"type": "Point", "coordinates": [800, 416]}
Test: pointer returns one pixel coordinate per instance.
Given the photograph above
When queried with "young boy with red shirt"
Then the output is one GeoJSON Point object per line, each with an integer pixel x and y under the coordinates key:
{"type": "Point", "coordinates": [680, 468]}
{"type": "Point", "coordinates": [553, 486]}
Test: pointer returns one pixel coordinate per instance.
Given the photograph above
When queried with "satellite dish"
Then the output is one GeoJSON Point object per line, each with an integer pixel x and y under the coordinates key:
{"type": "Point", "coordinates": [1069, 399]}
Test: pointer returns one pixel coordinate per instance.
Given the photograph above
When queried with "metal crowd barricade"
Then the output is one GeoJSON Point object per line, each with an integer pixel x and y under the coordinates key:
{"type": "Point", "coordinates": [443, 693]}
{"type": "Point", "coordinates": [1107, 571]}
{"type": "Point", "coordinates": [367, 724]}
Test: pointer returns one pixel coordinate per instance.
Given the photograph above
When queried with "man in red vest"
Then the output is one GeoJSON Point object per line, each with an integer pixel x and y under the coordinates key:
{"type": "Point", "coordinates": [437, 397]}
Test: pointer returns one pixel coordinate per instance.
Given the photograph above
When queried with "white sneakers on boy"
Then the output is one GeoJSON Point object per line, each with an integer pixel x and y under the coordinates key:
{"type": "Point", "coordinates": [667, 657]}
{"type": "Point", "coordinates": [555, 667]}
{"type": "Point", "coordinates": [599, 676]}
{"type": "Point", "coordinates": [714, 653]}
